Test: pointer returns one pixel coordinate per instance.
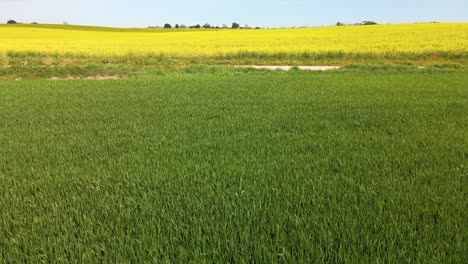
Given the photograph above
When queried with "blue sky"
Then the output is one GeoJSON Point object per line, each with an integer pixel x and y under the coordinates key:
{"type": "Point", "coordinates": [264, 13]}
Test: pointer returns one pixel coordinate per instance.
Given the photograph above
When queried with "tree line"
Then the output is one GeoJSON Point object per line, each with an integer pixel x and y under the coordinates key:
{"type": "Point", "coordinates": [363, 23]}
{"type": "Point", "coordinates": [234, 25]}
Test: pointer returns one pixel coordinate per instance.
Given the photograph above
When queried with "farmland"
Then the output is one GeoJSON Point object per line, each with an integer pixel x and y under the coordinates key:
{"type": "Point", "coordinates": [236, 166]}
{"type": "Point", "coordinates": [406, 43]}
{"type": "Point", "coordinates": [148, 146]}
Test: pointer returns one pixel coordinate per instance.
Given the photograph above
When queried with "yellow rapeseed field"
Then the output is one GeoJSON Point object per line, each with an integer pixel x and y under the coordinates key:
{"type": "Point", "coordinates": [388, 40]}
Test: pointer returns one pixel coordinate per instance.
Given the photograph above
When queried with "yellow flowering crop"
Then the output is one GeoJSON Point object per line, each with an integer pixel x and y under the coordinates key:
{"type": "Point", "coordinates": [380, 40]}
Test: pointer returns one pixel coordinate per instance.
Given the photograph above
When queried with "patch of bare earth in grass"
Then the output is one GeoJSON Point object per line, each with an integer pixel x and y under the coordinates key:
{"type": "Point", "coordinates": [93, 77]}
{"type": "Point", "coordinates": [288, 68]}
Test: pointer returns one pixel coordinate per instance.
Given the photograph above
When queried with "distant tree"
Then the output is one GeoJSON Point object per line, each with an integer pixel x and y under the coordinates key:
{"type": "Point", "coordinates": [167, 25]}
{"type": "Point", "coordinates": [176, 25]}
{"type": "Point", "coordinates": [12, 22]}
{"type": "Point", "coordinates": [258, 28]}
{"type": "Point", "coordinates": [34, 23]}
{"type": "Point", "coordinates": [367, 23]}
{"type": "Point", "coordinates": [339, 24]}
{"type": "Point", "coordinates": [206, 25]}
{"type": "Point", "coordinates": [225, 26]}
{"type": "Point", "coordinates": [183, 26]}
{"type": "Point", "coordinates": [65, 22]}
{"type": "Point", "coordinates": [235, 25]}
{"type": "Point", "coordinates": [197, 26]}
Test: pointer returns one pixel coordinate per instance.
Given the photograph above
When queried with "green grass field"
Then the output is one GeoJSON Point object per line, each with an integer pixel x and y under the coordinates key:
{"type": "Point", "coordinates": [233, 166]}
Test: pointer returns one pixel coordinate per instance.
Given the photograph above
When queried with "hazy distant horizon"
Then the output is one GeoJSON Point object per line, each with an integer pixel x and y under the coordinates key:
{"type": "Point", "coordinates": [229, 25]}
{"type": "Point", "coordinates": [262, 13]}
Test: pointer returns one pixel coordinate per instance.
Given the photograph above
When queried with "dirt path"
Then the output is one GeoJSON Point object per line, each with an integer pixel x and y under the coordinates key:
{"type": "Point", "coordinates": [284, 68]}
{"type": "Point", "coordinates": [288, 68]}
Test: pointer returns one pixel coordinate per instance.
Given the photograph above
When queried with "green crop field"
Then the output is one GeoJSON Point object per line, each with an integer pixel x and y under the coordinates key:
{"type": "Point", "coordinates": [236, 166]}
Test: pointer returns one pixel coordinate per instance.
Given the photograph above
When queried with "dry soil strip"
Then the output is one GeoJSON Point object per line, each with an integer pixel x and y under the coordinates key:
{"type": "Point", "coordinates": [92, 77]}
{"type": "Point", "coordinates": [288, 68]}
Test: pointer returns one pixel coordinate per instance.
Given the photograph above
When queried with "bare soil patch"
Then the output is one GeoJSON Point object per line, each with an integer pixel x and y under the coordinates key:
{"type": "Point", "coordinates": [94, 77]}
{"type": "Point", "coordinates": [288, 68]}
